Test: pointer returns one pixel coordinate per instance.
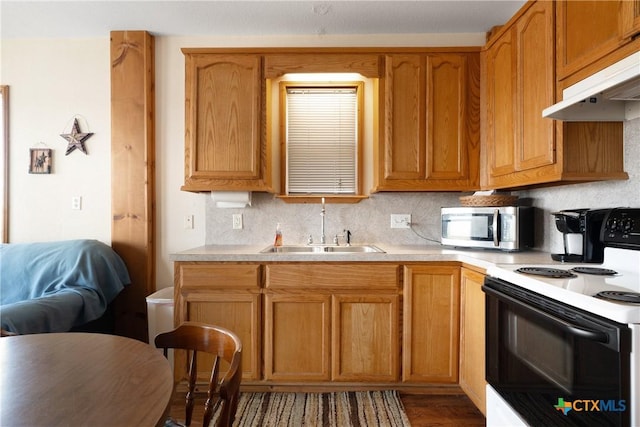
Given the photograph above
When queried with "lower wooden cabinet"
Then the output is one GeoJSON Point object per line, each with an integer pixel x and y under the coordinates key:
{"type": "Point", "coordinates": [329, 328]}
{"type": "Point", "coordinates": [472, 337]}
{"type": "Point", "coordinates": [319, 323]}
{"type": "Point", "coordinates": [224, 295]}
{"type": "Point", "coordinates": [297, 341]}
{"type": "Point", "coordinates": [431, 323]}
{"type": "Point", "coordinates": [365, 337]}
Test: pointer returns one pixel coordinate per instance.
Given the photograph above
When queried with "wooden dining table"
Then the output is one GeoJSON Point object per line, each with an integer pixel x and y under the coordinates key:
{"type": "Point", "coordinates": [81, 379]}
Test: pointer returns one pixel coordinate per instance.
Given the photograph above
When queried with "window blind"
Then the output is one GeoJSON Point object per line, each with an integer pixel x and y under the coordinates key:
{"type": "Point", "coordinates": [321, 140]}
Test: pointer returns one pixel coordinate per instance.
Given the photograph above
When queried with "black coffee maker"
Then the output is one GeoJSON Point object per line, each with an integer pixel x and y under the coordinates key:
{"type": "Point", "coordinates": [580, 230]}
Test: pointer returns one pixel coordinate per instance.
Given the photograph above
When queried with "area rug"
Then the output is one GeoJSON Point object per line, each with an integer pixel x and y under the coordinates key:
{"type": "Point", "coordinates": [339, 409]}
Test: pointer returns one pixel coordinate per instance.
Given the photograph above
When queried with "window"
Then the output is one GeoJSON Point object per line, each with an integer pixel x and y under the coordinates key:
{"type": "Point", "coordinates": [4, 163]}
{"type": "Point", "coordinates": [321, 138]}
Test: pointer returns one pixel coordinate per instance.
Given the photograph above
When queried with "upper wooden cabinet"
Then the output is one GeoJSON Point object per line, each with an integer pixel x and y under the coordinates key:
{"type": "Point", "coordinates": [426, 104]}
{"type": "Point", "coordinates": [535, 146]}
{"type": "Point", "coordinates": [500, 128]}
{"type": "Point", "coordinates": [224, 143]}
{"type": "Point", "coordinates": [630, 18]}
{"type": "Point", "coordinates": [430, 125]}
{"type": "Point", "coordinates": [589, 30]}
{"type": "Point", "coordinates": [521, 147]}
{"type": "Point", "coordinates": [519, 85]}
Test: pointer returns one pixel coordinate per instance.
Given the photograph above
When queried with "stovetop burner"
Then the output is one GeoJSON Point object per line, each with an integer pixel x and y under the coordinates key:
{"type": "Point", "coordinates": [594, 270]}
{"type": "Point", "coordinates": [554, 273]}
{"type": "Point", "coordinates": [620, 296]}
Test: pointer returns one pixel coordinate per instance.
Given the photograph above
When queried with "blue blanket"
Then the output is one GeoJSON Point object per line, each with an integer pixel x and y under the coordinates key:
{"type": "Point", "coordinates": [55, 286]}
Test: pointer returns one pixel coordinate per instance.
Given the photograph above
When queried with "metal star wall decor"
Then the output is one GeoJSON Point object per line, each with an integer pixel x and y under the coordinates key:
{"type": "Point", "coordinates": [76, 138]}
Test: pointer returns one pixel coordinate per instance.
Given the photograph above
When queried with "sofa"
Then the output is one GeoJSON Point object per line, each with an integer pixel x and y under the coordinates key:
{"type": "Point", "coordinates": [58, 286]}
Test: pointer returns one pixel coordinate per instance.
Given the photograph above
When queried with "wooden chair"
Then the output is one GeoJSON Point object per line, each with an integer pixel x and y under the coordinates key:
{"type": "Point", "coordinates": [221, 394]}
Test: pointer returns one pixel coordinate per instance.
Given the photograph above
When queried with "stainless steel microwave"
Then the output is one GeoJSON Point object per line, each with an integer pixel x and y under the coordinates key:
{"type": "Point", "coordinates": [507, 228]}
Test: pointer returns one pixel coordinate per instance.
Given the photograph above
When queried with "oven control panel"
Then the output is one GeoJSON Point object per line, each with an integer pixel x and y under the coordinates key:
{"type": "Point", "coordinates": [621, 228]}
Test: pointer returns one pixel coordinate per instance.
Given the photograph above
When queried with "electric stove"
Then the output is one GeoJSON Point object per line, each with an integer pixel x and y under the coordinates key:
{"type": "Point", "coordinates": [571, 285]}
{"type": "Point", "coordinates": [589, 288]}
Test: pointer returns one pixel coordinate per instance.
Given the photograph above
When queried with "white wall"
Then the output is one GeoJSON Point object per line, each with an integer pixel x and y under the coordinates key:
{"type": "Point", "coordinates": [51, 81]}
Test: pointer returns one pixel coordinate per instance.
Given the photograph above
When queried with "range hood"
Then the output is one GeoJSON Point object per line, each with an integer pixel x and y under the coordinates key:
{"type": "Point", "coordinates": [608, 95]}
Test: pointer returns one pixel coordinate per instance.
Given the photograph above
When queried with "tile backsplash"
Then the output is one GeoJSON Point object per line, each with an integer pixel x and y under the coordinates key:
{"type": "Point", "coordinates": [369, 220]}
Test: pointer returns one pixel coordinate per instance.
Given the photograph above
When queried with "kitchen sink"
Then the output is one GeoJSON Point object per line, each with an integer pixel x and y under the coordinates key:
{"type": "Point", "coordinates": [316, 249]}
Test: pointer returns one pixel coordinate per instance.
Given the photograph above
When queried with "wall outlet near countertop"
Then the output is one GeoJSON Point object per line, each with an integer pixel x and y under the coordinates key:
{"type": "Point", "coordinates": [237, 221]}
{"type": "Point", "coordinates": [400, 220]}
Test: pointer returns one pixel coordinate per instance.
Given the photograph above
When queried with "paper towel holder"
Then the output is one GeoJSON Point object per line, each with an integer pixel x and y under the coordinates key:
{"type": "Point", "coordinates": [231, 199]}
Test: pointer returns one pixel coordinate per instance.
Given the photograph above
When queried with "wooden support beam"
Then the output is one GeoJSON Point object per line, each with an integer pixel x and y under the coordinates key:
{"type": "Point", "coordinates": [133, 173]}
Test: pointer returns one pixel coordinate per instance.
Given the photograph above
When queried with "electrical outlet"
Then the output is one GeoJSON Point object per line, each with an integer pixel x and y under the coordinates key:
{"type": "Point", "coordinates": [237, 221]}
{"type": "Point", "coordinates": [76, 203]}
{"type": "Point", "coordinates": [400, 220]}
{"type": "Point", "coordinates": [188, 222]}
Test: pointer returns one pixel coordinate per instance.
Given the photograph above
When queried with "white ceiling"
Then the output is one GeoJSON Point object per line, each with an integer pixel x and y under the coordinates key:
{"type": "Point", "coordinates": [88, 18]}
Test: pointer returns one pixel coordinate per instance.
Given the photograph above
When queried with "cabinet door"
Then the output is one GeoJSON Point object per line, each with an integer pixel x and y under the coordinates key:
{"type": "Point", "coordinates": [472, 337]}
{"type": "Point", "coordinates": [586, 31]}
{"type": "Point", "coordinates": [630, 18]}
{"type": "Point", "coordinates": [223, 137]}
{"type": "Point", "coordinates": [431, 123]}
{"type": "Point", "coordinates": [501, 105]}
{"type": "Point", "coordinates": [535, 142]}
{"type": "Point", "coordinates": [297, 340]}
{"type": "Point", "coordinates": [224, 295]}
{"type": "Point", "coordinates": [431, 324]}
{"type": "Point", "coordinates": [404, 145]}
{"type": "Point", "coordinates": [453, 119]}
{"type": "Point", "coordinates": [365, 338]}
{"type": "Point", "coordinates": [239, 313]}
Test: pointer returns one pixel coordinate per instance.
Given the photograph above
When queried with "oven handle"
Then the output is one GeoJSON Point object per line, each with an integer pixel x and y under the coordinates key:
{"type": "Point", "coordinates": [575, 330]}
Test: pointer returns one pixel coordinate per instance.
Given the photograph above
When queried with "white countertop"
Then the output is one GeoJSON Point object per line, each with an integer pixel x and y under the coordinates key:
{"type": "Point", "coordinates": [404, 253]}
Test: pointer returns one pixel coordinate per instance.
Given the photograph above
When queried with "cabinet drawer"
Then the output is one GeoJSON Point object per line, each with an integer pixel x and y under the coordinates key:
{"type": "Point", "coordinates": [217, 276]}
{"type": "Point", "coordinates": [340, 276]}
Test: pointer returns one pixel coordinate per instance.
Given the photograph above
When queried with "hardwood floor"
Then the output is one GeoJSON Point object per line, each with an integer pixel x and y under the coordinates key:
{"type": "Point", "coordinates": [423, 410]}
{"type": "Point", "coordinates": [441, 410]}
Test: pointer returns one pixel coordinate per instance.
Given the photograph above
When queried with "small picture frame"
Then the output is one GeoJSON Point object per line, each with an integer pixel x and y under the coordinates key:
{"type": "Point", "coordinates": [40, 160]}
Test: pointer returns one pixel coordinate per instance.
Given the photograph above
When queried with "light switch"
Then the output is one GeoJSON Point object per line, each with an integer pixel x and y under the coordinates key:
{"type": "Point", "coordinates": [188, 222]}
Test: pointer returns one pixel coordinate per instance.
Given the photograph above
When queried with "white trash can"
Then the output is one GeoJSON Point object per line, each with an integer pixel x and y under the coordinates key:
{"type": "Point", "coordinates": [160, 315]}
